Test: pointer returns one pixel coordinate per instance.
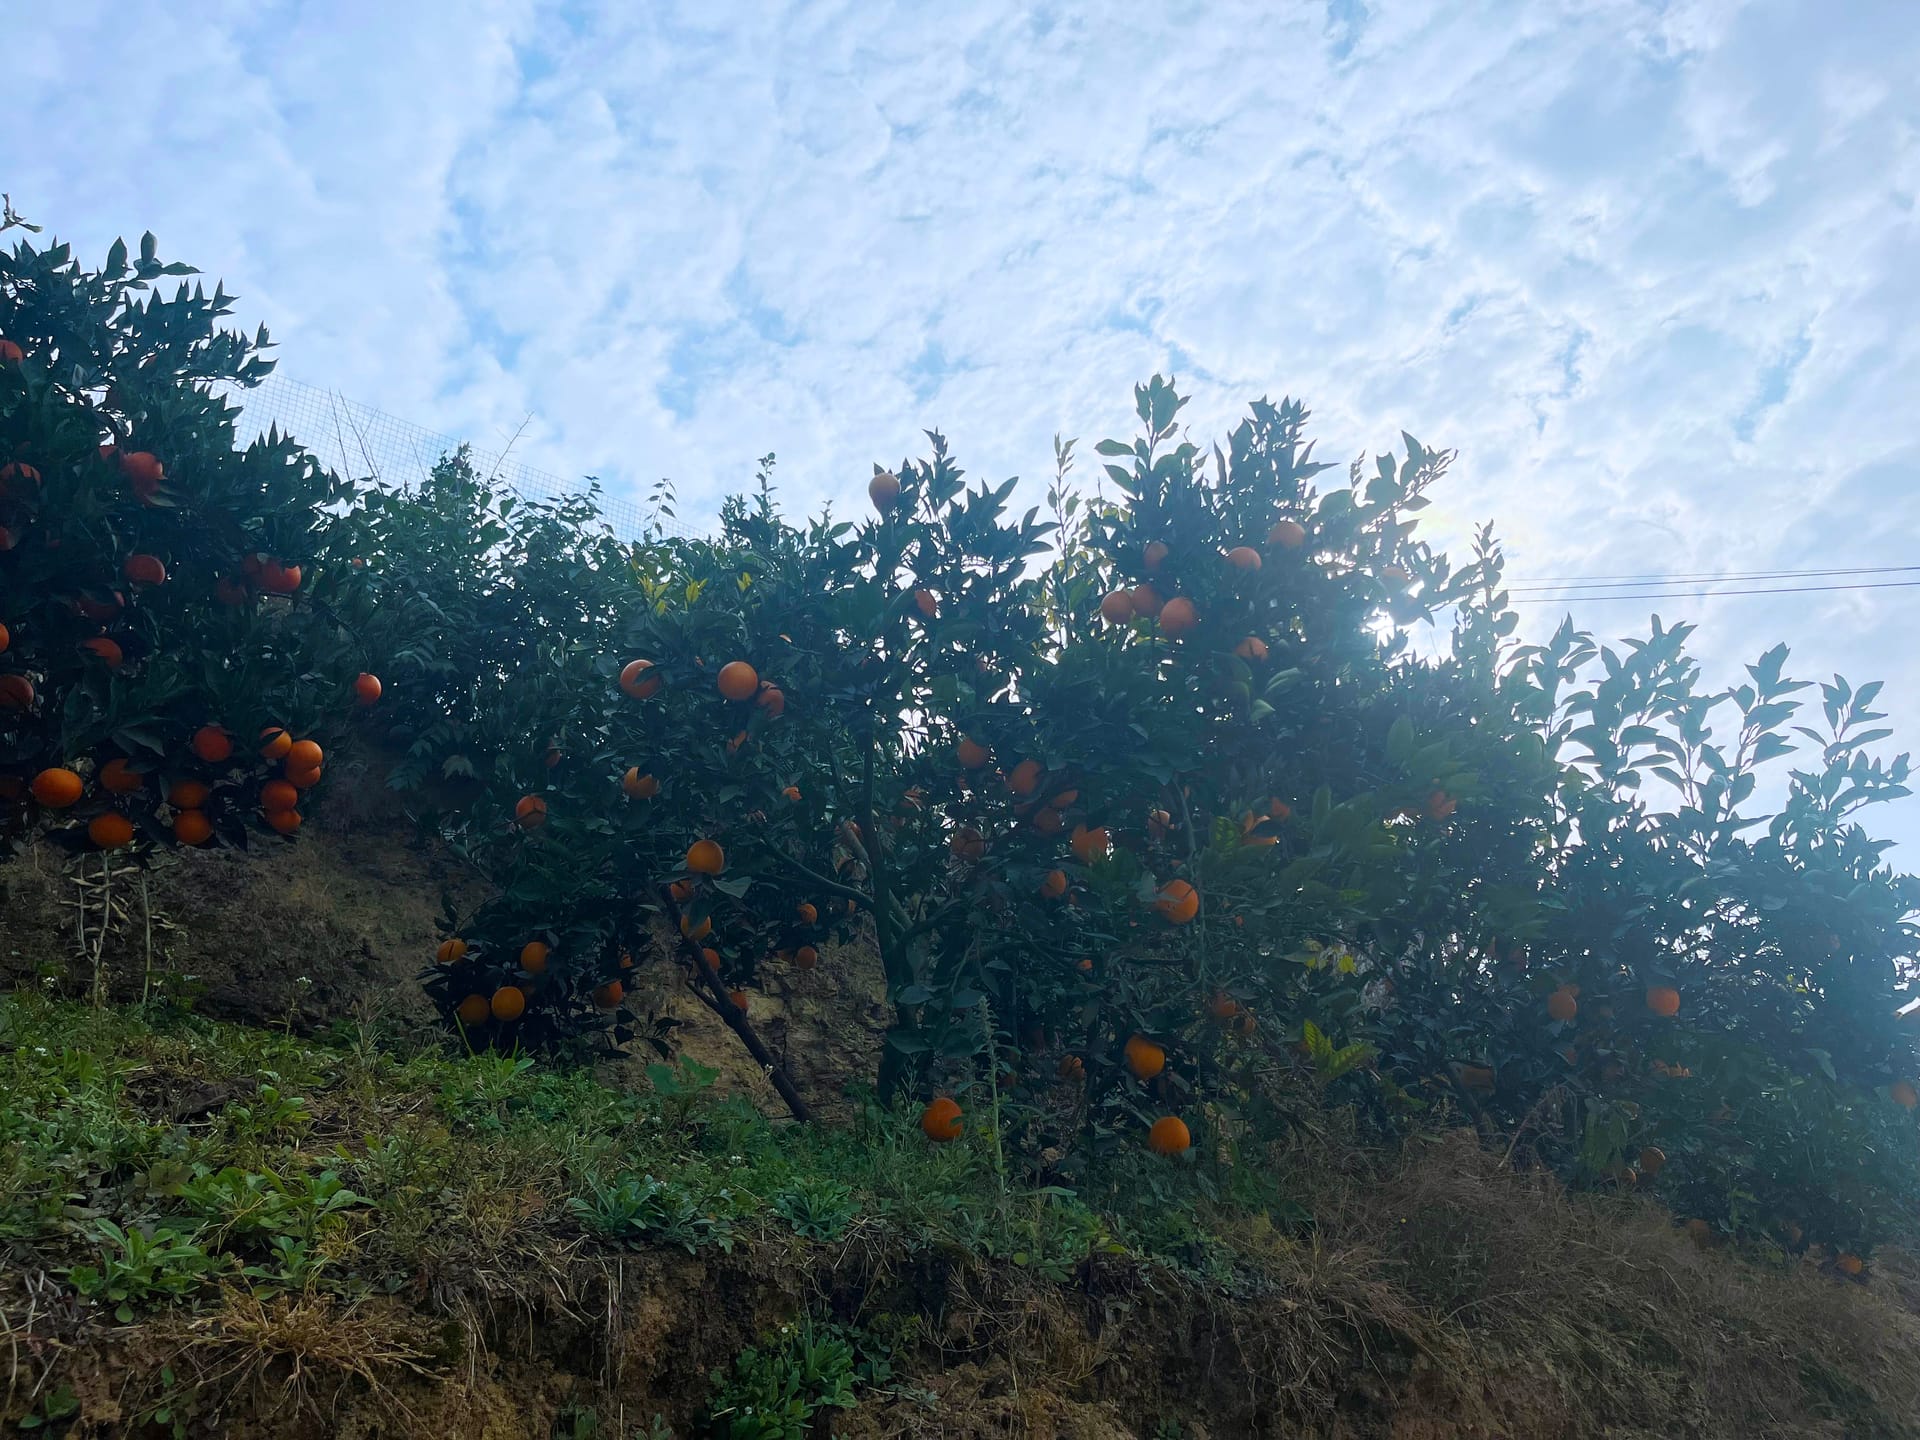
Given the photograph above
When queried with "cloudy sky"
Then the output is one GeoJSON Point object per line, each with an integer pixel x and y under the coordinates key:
{"type": "Point", "coordinates": [1650, 267]}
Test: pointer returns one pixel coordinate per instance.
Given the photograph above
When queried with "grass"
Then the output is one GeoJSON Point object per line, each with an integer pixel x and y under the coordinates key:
{"type": "Point", "coordinates": [203, 1222]}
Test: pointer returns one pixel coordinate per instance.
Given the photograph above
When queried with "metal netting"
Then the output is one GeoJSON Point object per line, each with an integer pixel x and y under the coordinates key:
{"type": "Point", "coordinates": [355, 439]}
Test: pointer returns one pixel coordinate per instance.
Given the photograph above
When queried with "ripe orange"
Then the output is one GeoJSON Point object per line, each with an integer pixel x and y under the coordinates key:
{"type": "Point", "coordinates": [1072, 1067]}
{"type": "Point", "coordinates": [1117, 608]}
{"type": "Point", "coordinates": [806, 957]}
{"type": "Point", "coordinates": [1169, 1136]}
{"type": "Point", "coordinates": [1287, 534]}
{"type": "Point", "coordinates": [509, 1003]}
{"type": "Point", "coordinates": [1024, 778]}
{"type": "Point", "coordinates": [1064, 799]}
{"type": "Point", "coordinates": [530, 813]}
{"type": "Point", "coordinates": [366, 688]}
{"type": "Point", "coordinates": [278, 579]}
{"type": "Point", "coordinates": [1177, 617]}
{"type": "Point", "coordinates": [925, 603]}
{"type": "Point", "coordinates": [681, 891]}
{"type": "Point", "coordinates": [941, 1120]}
{"type": "Point", "coordinates": [1244, 557]}
{"type": "Point", "coordinates": [1144, 1058]}
{"type": "Point", "coordinates": [304, 779]}
{"type": "Point", "coordinates": [56, 788]}
{"type": "Point", "coordinates": [1279, 810]}
{"type": "Point", "coordinates": [212, 744]}
{"type": "Point", "coordinates": [1253, 649]}
{"type": "Point", "coordinates": [739, 999]}
{"type": "Point", "coordinates": [636, 680]}
{"type": "Point", "coordinates": [1054, 884]}
{"type": "Point", "coordinates": [609, 995]}
{"type": "Point", "coordinates": [639, 786]}
{"type": "Point", "coordinates": [1178, 902]}
{"type": "Point", "coordinates": [191, 827]}
{"type": "Point", "coordinates": [738, 680]}
{"type": "Point", "coordinates": [1146, 601]}
{"type": "Point", "coordinates": [16, 692]}
{"type": "Point", "coordinates": [117, 777]}
{"type": "Point", "coordinates": [1090, 845]}
{"type": "Point", "coordinates": [1849, 1264]}
{"type": "Point", "coordinates": [533, 956]}
{"type": "Point", "coordinates": [884, 491]}
{"type": "Point", "coordinates": [1049, 822]}
{"type": "Point", "coordinates": [144, 569]}
{"type": "Point", "coordinates": [553, 756]}
{"type": "Point", "coordinates": [1652, 1160]}
{"type": "Point", "coordinates": [1562, 1005]}
{"type": "Point", "coordinates": [773, 700]}
{"type": "Point", "coordinates": [791, 794]}
{"type": "Point", "coordinates": [1663, 1000]}
{"type": "Point", "coordinates": [694, 931]}
{"type": "Point", "coordinates": [275, 742]}
{"type": "Point", "coordinates": [1155, 555]}
{"type": "Point", "coordinates": [1222, 1006]}
{"type": "Point", "coordinates": [110, 831]}
{"type": "Point", "coordinates": [473, 1011]}
{"type": "Point", "coordinates": [1904, 1094]}
{"type": "Point", "coordinates": [711, 958]}
{"type": "Point", "coordinates": [451, 951]}
{"type": "Point", "coordinates": [10, 353]}
{"type": "Point", "coordinates": [704, 857]}
{"type": "Point", "coordinates": [1700, 1232]}
{"type": "Point", "coordinates": [143, 471]}
{"type": "Point", "coordinates": [966, 843]}
{"type": "Point", "coordinates": [106, 650]}
{"type": "Point", "coordinates": [278, 795]}
{"type": "Point", "coordinates": [971, 754]}
{"type": "Point", "coordinates": [187, 794]}
{"type": "Point", "coordinates": [806, 914]}
{"type": "Point", "coordinates": [285, 821]}
{"type": "Point", "coordinates": [1441, 805]}
{"type": "Point", "coordinates": [6, 639]}
{"type": "Point", "coordinates": [304, 755]}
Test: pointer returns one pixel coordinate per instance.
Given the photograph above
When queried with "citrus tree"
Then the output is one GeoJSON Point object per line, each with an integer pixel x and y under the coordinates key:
{"type": "Point", "coordinates": [166, 652]}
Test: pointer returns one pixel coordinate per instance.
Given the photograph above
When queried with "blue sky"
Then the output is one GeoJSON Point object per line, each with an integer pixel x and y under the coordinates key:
{"type": "Point", "coordinates": [1650, 267]}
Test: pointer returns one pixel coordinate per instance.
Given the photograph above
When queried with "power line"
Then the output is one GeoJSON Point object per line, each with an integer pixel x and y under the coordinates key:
{"type": "Point", "coordinates": [1713, 594]}
{"type": "Point", "coordinates": [1598, 582]}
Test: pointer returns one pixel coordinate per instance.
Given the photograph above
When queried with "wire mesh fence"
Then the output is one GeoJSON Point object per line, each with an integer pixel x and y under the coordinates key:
{"type": "Point", "coordinates": [355, 439]}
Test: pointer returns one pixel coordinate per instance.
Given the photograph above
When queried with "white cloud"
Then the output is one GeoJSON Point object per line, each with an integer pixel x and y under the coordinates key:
{"type": "Point", "coordinates": [1648, 265]}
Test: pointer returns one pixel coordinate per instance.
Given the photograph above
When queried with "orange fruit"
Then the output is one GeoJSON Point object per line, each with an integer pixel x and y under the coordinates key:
{"type": "Point", "coordinates": [366, 688]}
{"type": "Point", "coordinates": [1146, 601]}
{"type": "Point", "coordinates": [636, 680]}
{"type": "Point", "coordinates": [473, 1011]}
{"type": "Point", "coordinates": [925, 603]}
{"type": "Point", "coordinates": [278, 579]}
{"type": "Point", "coordinates": [285, 821]}
{"type": "Point", "coordinates": [1562, 1005]}
{"type": "Point", "coordinates": [278, 795]}
{"type": "Point", "coordinates": [6, 639]}
{"type": "Point", "coordinates": [1849, 1264]}
{"type": "Point", "coordinates": [1024, 778]}
{"type": "Point", "coordinates": [1287, 534]}
{"type": "Point", "coordinates": [805, 913]}
{"type": "Point", "coordinates": [941, 1120]}
{"type": "Point", "coordinates": [530, 813]}
{"type": "Point", "coordinates": [1054, 884]}
{"type": "Point", "coordinates": [1904, 1094]}
{"type": "Point", "coordinates": [806, 957]}
{"type": "Point", "coordinates": [451, 951]}
{"type": "Point", "coordinates": [739, 999]}
{"type": "Point", "coordinates": [704, 857]}
{"type": "Point", "coordinates": [1652, 1160]}
{"type": "Point", "coordinates": [119, 778]}
{"type": "Point", "coordinates": [1700, 1232]}
{"type": "Point", "coordinates": [304, 755]}
{"type": "Point", "coordinates": [553, 756]}
{"type": "Point", "coordinates": [971, 754]}
{"type": "Point", "coordinates": [681, 891]}
{"type": "Point", "coordinates": [509, 1003]}
{"type": "Point", "coordinates": [1278, 810]}
{"type": "Point", "coordinates": [108, 651]}
{"type": "Point", "coordinates": [1252, 649]}
{"type": "Point", "coordinates": [16, 692]}
{"type": "Point", "coordinates": [1049, 822]}
{"type": "Point", "coordinates": [275, 742]}
{"type": "Point", "coordinates": [143, 469]}
{"type": "Point", "coordinates": [187, 794]}
{"type": "Point", "coordinates": [144, 570]}
{"type": "Point", "coordinates": [1663, 1000]}
{"type": "Point", "coordinates": [884, 491]}
{"type": "Point", "coordinates": [56, 788]}
{"type": "Point", "coordinates": [1064, 799]}
{"type": "Point", "coordinates": [639, 786]}
{"type": "Point", "coordinates": [609, 995]}
{"type": "Point", "coordinates": [1084, 966]}
{"type": "Point", "coordinates": [1178, 902]}
{"type": "Point", "coordinates": [1222, 1006]}
{"type": "Point", "coordinates": [773, 700]}
{"type": "Point", "coordinates": [694, 931]}
{"type": "Point", "coordinates": [712, 958]}
{"type": "Point", "coordinates": [191, 827]}
{"type": "Point", "coordinates": [212, 744]}
{"type": "Point", "coordinates": [1090, 845]}
{"type": "Point", "coordinates": [533, 956]}
{"type": "Point", "coordinates": [1177, 617]}
{"type": "Point", "coordinates": [1144, 1058]}
{"type": "Point", "coordinates": [110, 831]}
{"type": "Point", "coordinates": [791, 794]}
{"type": "Point", "coordinates": [966, 843]}
{"type": "Point", "coordinates": [738, 680]}
{"type": "Point", "coordinates": [10, 353]}
{"type": "Point", "coordinates": [1441, 805]}
{"type": "Point", "coordinates": [303, 779]}
{"type": "Point", "coordinates": [1244, 557]}
{"type": "Point", "coordinates": [1155, 554]}
{"type": "Point", "coordinates": [1169, 1136]}
{"type": "Point", "coordinates": [1072, 1067]}
{"type": "Point", "coordinates": [1117, 607]}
